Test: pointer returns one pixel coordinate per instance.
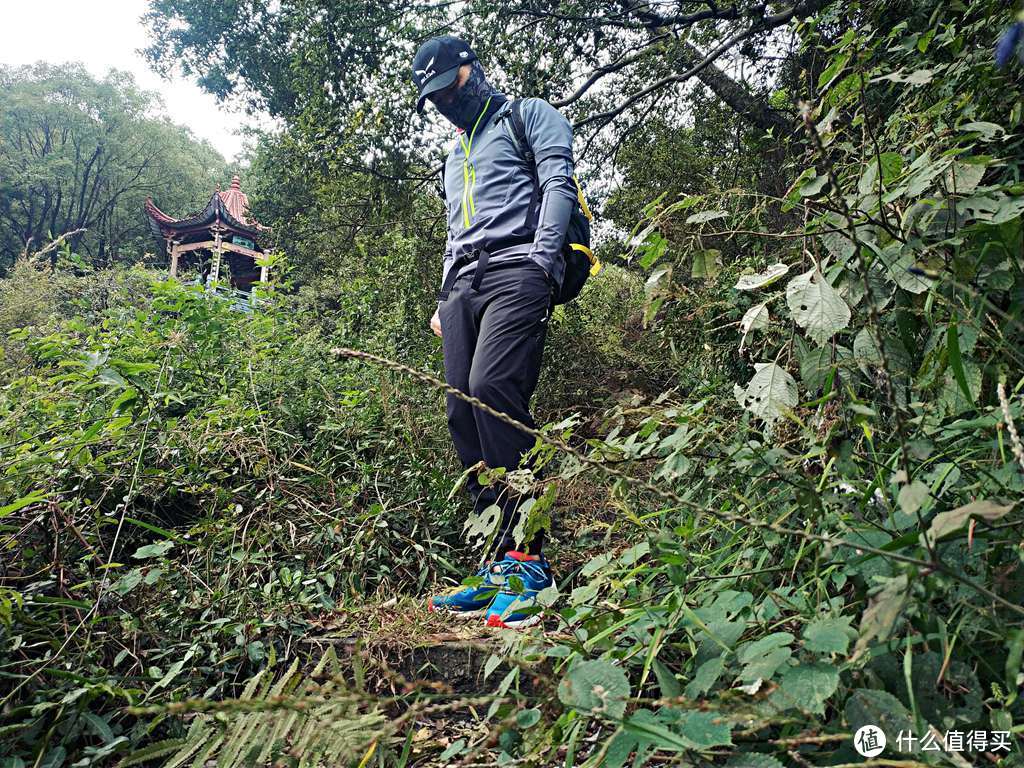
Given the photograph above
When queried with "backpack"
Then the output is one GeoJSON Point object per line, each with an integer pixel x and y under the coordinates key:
{"type": "Point", "coordinates": [580, 261]}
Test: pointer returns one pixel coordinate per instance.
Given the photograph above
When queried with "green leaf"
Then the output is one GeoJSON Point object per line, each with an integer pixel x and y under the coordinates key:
{"type": "Point", "coordinates": [806, 687]}
{"type": "Point", "coordinates": [816, 306]}
{"type": "Point", "coordinates": [110, 376]}
{"type": "Point", "coordinates": [813, 186]}
{"type": "Point", "coordinates": [705, 729]}
{"type": "Point", "coordinates": [816, 365]}
{"type": "Point", "coordinates": [645, 726]}
{"type": "Point", "coordinates": [597, 563]}
{"type": "Point", "coordinates": [24, 501]}
{"type": "Point", "coordinates": [128, 582]}
{"type": "Point", "coordinates": [833, 69]}
{"type": "Point", "coordinates": [596, 687]}
{"type": "Point", "coordinates": [99, 726]}
{"type": "Point", "coordinates": [761, 658]}
{"type": "Point", "coordinates": [769, 393]}
{"type": "Point", "coordinates": [705, 216]}
{"type": "Point", "coordinates": [255, 650]}
{"type": "Point", "coordinates": [912, 496]}
{"type": "Point", "coordinates": [892, 166]}
{"type": "Point", "coordinates": [769, 276]}
{"type": "Point", "coordinates": [879, 708]}
{"type": "Point", "coordinates": [880, 616]}
{"type": "Point", "coordinates": [667, 682]}
{"type": "Point", "coordinates": [963, 178]}
{"type": "Point", "coordinates": [706, 264]}
{"type": "Point", "coordinates": [828, 635]}
{"type": "Point", "coordinates": [526, 718]}
{"type": "Point", "coordinates": [705, 677]}
{"type": "Point", "coordinates": [1015, 653]}
{"type": "Point", "coordinates": [159, 549]}
{"type": "Point", "coordinates": [988, 131]}
{"type": "Point", "coordinates": [455, 748]}
{"type": "Point", "coordinates": [753, 760]}
{"type": "Point", "coordinates": [956, 361]}
{"type": "Point", "coordinates": [946, 523]}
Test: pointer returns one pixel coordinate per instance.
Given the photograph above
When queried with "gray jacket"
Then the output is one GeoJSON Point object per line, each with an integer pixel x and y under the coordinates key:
{"type": "Point", "coordinates": [488, 196]}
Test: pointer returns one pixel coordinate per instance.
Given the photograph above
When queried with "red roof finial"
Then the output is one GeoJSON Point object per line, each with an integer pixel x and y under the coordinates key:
{"type": "Point", "coordinates": [236, 183]}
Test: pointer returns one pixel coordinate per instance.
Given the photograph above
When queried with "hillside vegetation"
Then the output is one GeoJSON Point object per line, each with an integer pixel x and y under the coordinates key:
{"type": "Point", "coordinates": [782, 428]}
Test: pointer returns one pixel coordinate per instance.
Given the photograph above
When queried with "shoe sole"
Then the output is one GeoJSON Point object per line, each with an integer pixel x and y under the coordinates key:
{"type": "Point", "coordinates": [431, 608]}
{"type": "Point", "coordinates": [494, 620]}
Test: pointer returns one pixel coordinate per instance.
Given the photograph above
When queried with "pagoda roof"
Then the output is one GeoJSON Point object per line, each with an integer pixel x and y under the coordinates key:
{"type": "Point", "coordinates": [228, 209]}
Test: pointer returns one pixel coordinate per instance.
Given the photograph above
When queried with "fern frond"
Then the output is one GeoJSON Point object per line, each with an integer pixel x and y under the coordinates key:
{"type": "Point", "coordinates": [312, 723]}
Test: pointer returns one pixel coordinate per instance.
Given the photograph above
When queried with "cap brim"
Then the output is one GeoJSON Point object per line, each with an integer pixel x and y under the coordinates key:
{"type": "Point", "coordinates": [437, 83]}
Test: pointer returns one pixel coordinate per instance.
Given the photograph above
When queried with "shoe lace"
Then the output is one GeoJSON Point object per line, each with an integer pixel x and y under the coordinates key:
{"type": "Point", "coordinates": [532, 568]}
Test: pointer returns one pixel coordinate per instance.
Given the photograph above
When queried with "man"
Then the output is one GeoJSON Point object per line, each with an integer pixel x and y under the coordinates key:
{"type": "Point", "coordinates": [502, 266]}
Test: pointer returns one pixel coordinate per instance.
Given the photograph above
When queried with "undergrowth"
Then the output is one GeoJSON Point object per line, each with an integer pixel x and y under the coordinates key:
{"type": "Point", "coordinates": [784, 473]}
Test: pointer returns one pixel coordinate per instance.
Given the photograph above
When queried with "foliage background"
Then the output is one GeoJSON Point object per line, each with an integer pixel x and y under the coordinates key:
{"type": "Point", "coordinates": [781, 425]}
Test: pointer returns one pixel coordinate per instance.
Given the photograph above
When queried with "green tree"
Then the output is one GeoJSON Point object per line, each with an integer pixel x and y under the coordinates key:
{"type": "Point", "coordinates": [80, 154]}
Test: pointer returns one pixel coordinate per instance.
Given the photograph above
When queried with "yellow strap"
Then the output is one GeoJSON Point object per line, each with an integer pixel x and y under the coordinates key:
{"type": "Point", "coordinates": [595, 263]}
{"type": "Point", "coordinates": [583, 202]}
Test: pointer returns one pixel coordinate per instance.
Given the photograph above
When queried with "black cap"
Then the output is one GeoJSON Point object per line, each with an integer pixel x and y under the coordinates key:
{"type": "Point", "coordinates": [436, 65]}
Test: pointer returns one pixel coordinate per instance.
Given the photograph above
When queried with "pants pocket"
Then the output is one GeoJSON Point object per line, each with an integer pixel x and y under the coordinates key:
{"type": "Point", "coordinates": [534, 266]}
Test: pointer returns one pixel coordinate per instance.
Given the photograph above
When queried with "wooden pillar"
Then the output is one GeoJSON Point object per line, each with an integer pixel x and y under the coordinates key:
{"type": "Point", "coordinates": [217, 254]}
{"type": "Point", "coordinates": [174, 257]}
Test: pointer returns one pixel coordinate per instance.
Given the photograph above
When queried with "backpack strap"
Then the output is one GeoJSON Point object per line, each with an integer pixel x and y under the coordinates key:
{"type": "Point", "coordinates": [519, 132]}
{"type": "Point", "coordinates": [522, 142]}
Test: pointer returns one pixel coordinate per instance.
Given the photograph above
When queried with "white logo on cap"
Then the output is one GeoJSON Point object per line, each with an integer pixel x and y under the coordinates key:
{"type": "Point", "coordinates": [463, 54]}
{"type": "Point", "coordinates": [426, 75]}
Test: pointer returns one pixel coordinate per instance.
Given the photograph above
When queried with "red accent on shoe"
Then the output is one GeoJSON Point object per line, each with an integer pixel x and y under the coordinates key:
{"type": "Point", "coordinates": [521, 556]}
{"type": "Point", "coordinates": [430, 605]}
{"type": "Point", "coordinates": [494, 620]}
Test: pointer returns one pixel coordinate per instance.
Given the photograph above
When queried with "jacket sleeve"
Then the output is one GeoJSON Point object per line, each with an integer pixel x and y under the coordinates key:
{"type": "Point", "coordinates": [550, 136]}
{"type": "Point", "coordinates": [449, 258]}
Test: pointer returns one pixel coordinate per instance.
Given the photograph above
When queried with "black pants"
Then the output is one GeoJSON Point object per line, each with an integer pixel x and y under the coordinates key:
{"type": "Point", "coordinates": [493, 341]}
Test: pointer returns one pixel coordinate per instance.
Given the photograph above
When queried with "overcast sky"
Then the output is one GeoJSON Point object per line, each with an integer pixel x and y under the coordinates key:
{"type": "Point", "coordinates": [105, 34]}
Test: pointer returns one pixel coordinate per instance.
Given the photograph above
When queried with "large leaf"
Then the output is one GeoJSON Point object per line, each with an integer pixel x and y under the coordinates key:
{"type": "Point", "coordinates": [806, 687]}
{"type": "Point", "coordinates": [706, 264]}
{"type": "Point", "coordinates": [705, 676]}
{"type": "Point", "coordinates": [769, 276]}
{"type": "Point", "coordinates": [816, 306]}
{"type": "Point", "coordinates": [159, 549]}
{"type": "Point", "coordinates": [647, 727]}
{"type": "Point", "coordinates": [879, 708]}
{"type": "Point", "coordinates": [945, 523]}
{"type": "Point", "coordinates": [704, 216]}
{"type": "Point", "coordinates": [755, 318]}
{"type": "Point", "coordinates": [705, 729]}
{"type": "Point", "coordinates": [753, 760]}
{"type": "Point", "coordinates": [964, 178]}
{"type": "Point", "coordinates": [769, 393]}
{"type": "Point", "coordinates": [596, 687]}
{"type": "Point", "coordinates": [478, 526]}
{"type": "Point", "coordinates": [881, 614]}
{"type": "Point", "coordinates": [761, 658]}
{"type": "Point", "coordinates": [828, 635]}
{"type": "Point", "coordinates": [912, 497]}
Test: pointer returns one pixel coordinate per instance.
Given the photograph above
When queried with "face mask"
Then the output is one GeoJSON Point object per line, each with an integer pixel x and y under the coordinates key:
{"type": "Point", "coordinates": [469, 100]}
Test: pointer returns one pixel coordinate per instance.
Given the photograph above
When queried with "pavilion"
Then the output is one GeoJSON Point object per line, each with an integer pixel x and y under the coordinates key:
{"type": "Point", "coordinates": [221, 232]}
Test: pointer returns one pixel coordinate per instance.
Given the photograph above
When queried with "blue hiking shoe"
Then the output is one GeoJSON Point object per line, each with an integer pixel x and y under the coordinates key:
{"type": "Point", "coordinates": [511, 609]}
{"type": "Point", "coordinates": [470, 602]}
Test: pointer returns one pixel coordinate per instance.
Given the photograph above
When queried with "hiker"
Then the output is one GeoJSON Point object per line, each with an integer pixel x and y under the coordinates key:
{"type": "Point", "coordinates": [503, 265]}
